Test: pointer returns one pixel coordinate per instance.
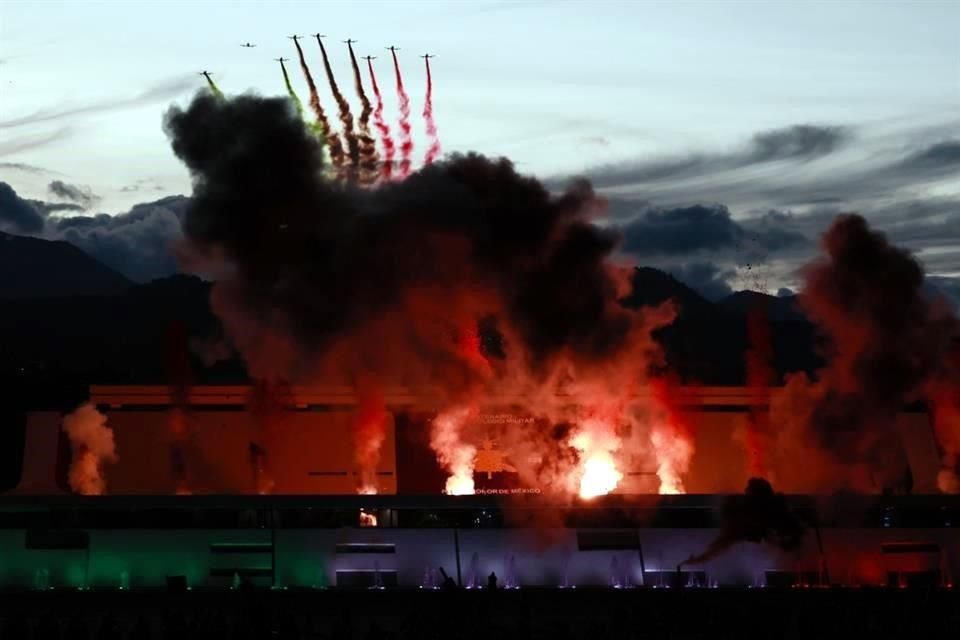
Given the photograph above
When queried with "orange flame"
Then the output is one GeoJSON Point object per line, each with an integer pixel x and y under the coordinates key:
{"type": "Point", "coordinates": [454, 454]}
{"type": "Point", "coordinates": [596, 442]}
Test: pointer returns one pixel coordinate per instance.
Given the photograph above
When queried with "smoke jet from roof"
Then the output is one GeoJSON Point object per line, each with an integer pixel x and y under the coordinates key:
{"type": "Point", "coordinates": [92, 443]}
{"type": "Point", "coordinates": [406, 135]}
{"type": "Point", "coordinates": [433, 151]}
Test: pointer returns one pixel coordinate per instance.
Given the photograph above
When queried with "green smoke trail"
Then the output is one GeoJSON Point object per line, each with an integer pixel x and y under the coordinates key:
{"type": "Point", "coordinates": [314, 127]}
{"type": "Point", "coordinates": [213, 87]}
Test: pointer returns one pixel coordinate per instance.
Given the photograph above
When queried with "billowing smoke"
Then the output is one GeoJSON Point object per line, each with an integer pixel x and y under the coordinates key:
{"type": "Point", "coordinates": [885, 341]}
{"type": "Point", "coordinates": [370, 430]}
{"type": "Point", "coordinates": [92, 445]}
{"type": "Point", "coordinates": [759, 515]}
{"type": "Point", "coordinates": [943, 396]}
{"type": "Point", "coordinates": [760, 377]}
{"type": "Point", "coordinates": [320, 281]}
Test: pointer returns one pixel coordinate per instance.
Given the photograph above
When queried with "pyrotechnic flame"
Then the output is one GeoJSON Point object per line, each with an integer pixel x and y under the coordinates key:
{"type": "Point", "coordinates": [673, 452]}
{"type": "Point", "coordinates": [596, 442]}
{"type": "Point", "coordinates": [454, 454]}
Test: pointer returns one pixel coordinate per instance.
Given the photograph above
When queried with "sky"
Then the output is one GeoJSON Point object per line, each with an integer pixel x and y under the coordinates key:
{"type": "Point", "coordinates": [730, 132]}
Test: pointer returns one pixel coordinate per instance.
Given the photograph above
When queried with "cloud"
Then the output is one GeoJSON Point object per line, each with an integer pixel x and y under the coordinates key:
{"type": "Point", "coordinates": [941, 155]}
{"type": "Point", "coordinates": [17, 214]}
{"type": "Point", "coordinates": [136, 243]}
{"type": "Point", "coordinates": [798, 143]}
{"type": "Point", "coordinates": [686, 230]}
{"type": "Point", "coordinates": [24, 143]}
{"type": "Point", "coordinates": [706, 278]}
{"type": "Point", "coordinates": [163, 91]}
{"type": "Point", "coordinates": [24, 167]}
{"type": "Point", "coordinates": [82, 195]}
{"type": "Point", "coordinates": [46, 208]}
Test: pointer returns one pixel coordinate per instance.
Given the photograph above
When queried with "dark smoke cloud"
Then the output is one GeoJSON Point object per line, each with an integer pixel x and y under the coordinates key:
{"type": "Point", "coordinates": [82, 195]}
{"type": "Point", "coordinates": [886, 339]}
{"type": "Point", "coordinates": [46, 208]}
{"type": "Point", "coordinates": [17, 214]}
{"type": "Point", "coordinates": [943, 155]}
{"type": "Point", "coordinates": [698, 228]}
{"type": "Point", "coordinates": [399, 271]}
{"type": "Point", "coordinates": [706, 278]}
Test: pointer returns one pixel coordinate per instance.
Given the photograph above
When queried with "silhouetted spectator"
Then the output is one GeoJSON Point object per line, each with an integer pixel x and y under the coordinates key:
{"type": "Point", "coordinates": [492, 581]}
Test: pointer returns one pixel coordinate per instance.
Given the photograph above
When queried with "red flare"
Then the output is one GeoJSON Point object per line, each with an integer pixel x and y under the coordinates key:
{"type": "Point", "coordinates": [389, 148]}
{"type": "Point", "coordinates": [406, 135]}
{"type": "Point", "coordinates": [433, 151]}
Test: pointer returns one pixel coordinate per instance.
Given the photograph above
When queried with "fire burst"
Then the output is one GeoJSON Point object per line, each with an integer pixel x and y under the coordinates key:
{"type": "Point", "coordinates": [454, 454]}
{"type": "Point", "coordinates": [596, 443]}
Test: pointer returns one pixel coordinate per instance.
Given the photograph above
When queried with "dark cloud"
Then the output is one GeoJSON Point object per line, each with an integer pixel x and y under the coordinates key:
{"type": "Point", "coordinates": [938, 156]}
{"type": "Point", "coordinates": [17, 214]}
{"type": "Point", "coordinates": [947, 287]}
{"type": "Point", "coordinates": [701, 228]}
{"type": "Point", "coordinates": [82, 195]}
{"type": "Point", "coordinates": [798, 143]}
{"type": "Point", "coordinates": [136, 243]}
{"type": "Point", "coordinates": [164, 91]}
{"type": "Point", "coordinates": [24, 167]}
{"type": "Point", "coordinates": [46, 208]}
{"type": "Point", "coordinates": [707, 279]}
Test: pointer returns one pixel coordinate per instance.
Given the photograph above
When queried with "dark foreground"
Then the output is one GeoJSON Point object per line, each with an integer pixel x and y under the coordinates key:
{"type": "Point", "coordinates": [676, 614]}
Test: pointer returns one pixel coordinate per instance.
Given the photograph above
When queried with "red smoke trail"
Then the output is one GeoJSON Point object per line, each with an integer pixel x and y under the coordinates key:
{"type": "Point", "coordinates": [433, 151]}
{"type": "Point", "coordinates": [368, 148]}
{"type": "Point", "coordinates": [760, 375]}
{"type": "Point", "coordinates": [388, 146]}
{"type": "Point", "coordinates": [346, 118]}
{"type": "Point", "coordinates": [332, 140]}
{"type": "Point", "coordinates": [406, 135]}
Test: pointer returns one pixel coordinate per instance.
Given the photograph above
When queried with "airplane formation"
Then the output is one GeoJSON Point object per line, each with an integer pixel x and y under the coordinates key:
{"type": "Point", "coordinates": [349, 41]}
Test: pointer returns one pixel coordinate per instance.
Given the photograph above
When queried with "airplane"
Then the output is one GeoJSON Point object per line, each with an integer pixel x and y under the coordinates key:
{"type": "Point", "coordinates": [392, 49]}
{"type": "Point", "coordinates": [349, 41]}
{"type": "Point", "coordinates": [247, 45]}
{"type": "Point", "coordinates": [318, 35]}
{"type": "Point", "coordinates": [294, 38]}
{"type": "Point", "coordinates": [205, 74]}
{"type": "Point", "coordinates": [369, 58]}
{"type": "Point", "coordinates": [427, 56]}
{"type": "Point", "coordinates": [282, 60]}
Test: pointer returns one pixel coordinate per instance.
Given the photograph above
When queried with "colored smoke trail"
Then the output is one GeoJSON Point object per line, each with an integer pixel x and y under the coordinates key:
{"type": "Point", "coordinates": [406, 131]}
{"type": "Point", "coordinates": [323, 124]}
{"type": "Point", "coordinates": [213, 86]}
{"type": "Point", "coordinates": [433, 151]}
{"type": "Point", "coordinates": [389, 148]}
{"type": "Point", "coordinates": [91, 441]}
{"type": "Point", "coordinates": [455, 455]}
{"type": "Point", "coordinates": [293, 94]}
{"type": "Point", "coordinates": [346, 118]}
{"type": "Point", "coordinates": [368, 147]}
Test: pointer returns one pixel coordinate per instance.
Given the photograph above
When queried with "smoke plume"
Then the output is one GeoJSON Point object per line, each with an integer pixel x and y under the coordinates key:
{"type": "Point", "coordinates": [433, 151]}
{"type": "Point", "coordinates": [370, 430]}
{"type": "Point", "coordinates": [332, 282]}
{"type": "Point", "coordinates": [885, 341]}
{"type": "Point", "coordinates": [368, 147]}
{"type": "Point", "coordinates": [346, 117]}
{"type": "Point", "coordinates": [760, 377]}
{"type": "Point", "coordinates": [389, 148]}
{"type": "Point", "coordinates": [406, 131]}
{"type": "Point", "coordinates": [91, 441]}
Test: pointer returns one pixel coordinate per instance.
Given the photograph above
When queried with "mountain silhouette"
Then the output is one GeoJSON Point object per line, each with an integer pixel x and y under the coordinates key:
{"type": "Point", "coordinates": [35, 268]}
